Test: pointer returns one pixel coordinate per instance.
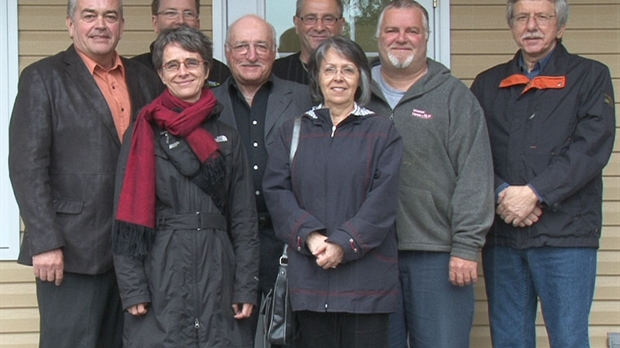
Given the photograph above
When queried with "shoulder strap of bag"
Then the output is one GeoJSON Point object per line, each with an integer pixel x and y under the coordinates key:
{"type": "Point", "coordinates": [295, 140]}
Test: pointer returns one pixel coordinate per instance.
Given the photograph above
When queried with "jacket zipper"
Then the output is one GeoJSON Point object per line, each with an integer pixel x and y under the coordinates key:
{"type": "Point", "coordinates": [333, 130]}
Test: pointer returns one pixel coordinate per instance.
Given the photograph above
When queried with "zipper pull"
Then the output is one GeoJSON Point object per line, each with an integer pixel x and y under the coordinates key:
{"type": "Point", "coordinates": [196, 324]}
{"type": "Point", "coordinates": [333, 130]}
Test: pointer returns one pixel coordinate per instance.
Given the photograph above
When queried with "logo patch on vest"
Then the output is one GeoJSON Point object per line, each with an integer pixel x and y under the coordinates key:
{"type": "Point", "coordinates": [421, 114]}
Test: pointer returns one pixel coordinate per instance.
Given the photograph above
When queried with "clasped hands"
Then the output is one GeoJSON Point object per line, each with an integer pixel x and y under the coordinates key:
{"type": "Point", "coordinates": [518, 206]}
{"type": "Point", "coordinates": [328, 255]}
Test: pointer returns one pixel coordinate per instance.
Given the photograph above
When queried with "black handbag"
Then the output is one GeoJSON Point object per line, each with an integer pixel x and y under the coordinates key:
{"type": "Point", "coordinates": [280, 324]}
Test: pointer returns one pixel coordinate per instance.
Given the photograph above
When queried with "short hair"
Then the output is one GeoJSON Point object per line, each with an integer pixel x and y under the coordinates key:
{"type": "Point", "coordinates": [272, 30]}
{"type": "Point", "coordinates": [72, 7]}
{"type": "Point", "coordinates": [300, 4]}
{"type": "Point", "coordinates": [190, 39]}
{"type": "Point", "coordinates": [561, 11]}
{"type": "Point", "coordinates": [155, 7]}
{"type": "Point", "coordinates": [404, 4]}
{"type": "Point", "coordinates": [351, 51]}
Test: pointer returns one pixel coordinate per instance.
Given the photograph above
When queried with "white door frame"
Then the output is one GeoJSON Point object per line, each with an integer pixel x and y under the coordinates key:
{"type": "Point", "coordinates": [9, 65]}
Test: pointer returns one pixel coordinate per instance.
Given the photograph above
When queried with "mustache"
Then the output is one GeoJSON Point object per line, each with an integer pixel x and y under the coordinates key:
{"type": "Point", "coordinates": [533, 36]}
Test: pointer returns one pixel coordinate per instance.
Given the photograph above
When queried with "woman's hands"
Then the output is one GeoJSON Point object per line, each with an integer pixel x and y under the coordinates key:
{"type": "Point", "coordinates": [328, 255]}
{"type": "Point", "coordinates": [138, 310]}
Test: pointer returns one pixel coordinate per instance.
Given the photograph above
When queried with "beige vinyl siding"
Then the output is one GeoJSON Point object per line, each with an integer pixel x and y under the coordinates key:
{"type": "Point", "coordinates": [480, 39]}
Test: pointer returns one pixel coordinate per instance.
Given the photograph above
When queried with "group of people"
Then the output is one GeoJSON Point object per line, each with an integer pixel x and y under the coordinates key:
{"type": "Point", "coordinates": [157, 193]}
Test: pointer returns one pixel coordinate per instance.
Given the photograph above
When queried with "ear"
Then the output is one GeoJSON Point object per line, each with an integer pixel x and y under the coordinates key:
{"type": "Point", "coordinates": [297, 23]}
{"type": "Point", "coordinates": [69, 23]}
{"type": "Point", "coordinates": [154, 20]}
{"type": "Point", "coordinates": [560, 32]}
{"type": "Point", "coordinates": [161, 76]}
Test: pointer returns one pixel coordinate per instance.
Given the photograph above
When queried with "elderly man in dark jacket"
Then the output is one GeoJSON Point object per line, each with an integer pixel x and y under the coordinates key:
{"type": "Point", "coordinates": [551, 121]}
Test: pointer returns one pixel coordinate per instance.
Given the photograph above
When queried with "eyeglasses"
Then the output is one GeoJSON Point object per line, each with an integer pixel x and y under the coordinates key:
{"type": "Point", "coordinates": [312, 20]}
{"type": "Point", "coordinates": [540, 19]}
{"type": "Point", "coordinates": [244, 47]}
{"type": "Point", "coordinates": [347, 71]}
{"type": "Point", "coordinates": [173, 14]}
{"type": "Point", "coordinates": [190, 64]}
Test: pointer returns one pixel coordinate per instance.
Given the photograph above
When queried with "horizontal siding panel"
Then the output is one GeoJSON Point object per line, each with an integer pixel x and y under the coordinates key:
{"type": "Point", "coordinates": [500, 42]}
{"type": "Point", "coordinates": [611, 187]}
{"type": "Point", "coordinates": [19, 320]}
{"type": "Point", "coordinates": [18, 295]}
{"type": "Point", "coordinates": [21, 340]}
{"type": "Point", "coordinates": [613, 167]}
{"type": "Point", "coordinates": [11, 271]}
{"type": "Point", "coordinates": [610, 239]}
{"type": "Point", "coordinates": [608, 263]}
{"type": "Point", "coordinates": [494, 17]}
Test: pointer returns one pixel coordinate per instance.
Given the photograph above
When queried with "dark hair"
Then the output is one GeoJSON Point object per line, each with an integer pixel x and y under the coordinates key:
{"type": "Point", "coordinates": [403, 4]}
{"type": "Point", "coordinates": [300, 4]}
{"type": "Point", "coordinates": [155, 7]}
{"type": "Point", "coordinates": [351, 51]}
{"type": "Point", "coordinates": [190, 39]}
{"type": "Point", "coordinates": [561, 11]}
{"type": "Point", "coordinates": [72, 6]}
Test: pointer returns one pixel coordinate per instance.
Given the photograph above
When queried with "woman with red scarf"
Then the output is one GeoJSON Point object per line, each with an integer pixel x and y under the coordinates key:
{"type": "Point", "coordinates": [185, 235]}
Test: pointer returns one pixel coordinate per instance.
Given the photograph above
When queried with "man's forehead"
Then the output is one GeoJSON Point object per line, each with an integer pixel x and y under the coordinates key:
{"type": "Point", "coordinates": [178, 4]}
{"type": "Point", "coordinates": [319, 7]}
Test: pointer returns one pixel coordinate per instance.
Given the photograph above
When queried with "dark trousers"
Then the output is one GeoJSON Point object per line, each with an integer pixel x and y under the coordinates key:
{"type": "Point", "coordinates": [83, 312]}
{"type": "Point", "coordinates": [342, 330]}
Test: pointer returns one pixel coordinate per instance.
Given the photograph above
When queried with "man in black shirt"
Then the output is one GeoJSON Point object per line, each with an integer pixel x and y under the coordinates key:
{"type": "Point", "coordinates": [315, 21]}
{"type": "Point", "coordinates": [256, 103]}
{"type": "Point", "coordinates": [172, 14]}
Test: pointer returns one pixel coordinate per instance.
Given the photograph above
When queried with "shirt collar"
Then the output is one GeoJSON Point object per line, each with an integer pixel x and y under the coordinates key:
{"type": "Point", "coordinates": [358, 111]}
{"type": "Point", "coordinates": [91, 65]}
{"type": "Point", "coordinates": [538, 68]}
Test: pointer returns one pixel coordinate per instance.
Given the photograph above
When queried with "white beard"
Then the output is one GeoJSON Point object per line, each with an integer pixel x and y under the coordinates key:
{"type": "Point", "coordinates": [398, 64]}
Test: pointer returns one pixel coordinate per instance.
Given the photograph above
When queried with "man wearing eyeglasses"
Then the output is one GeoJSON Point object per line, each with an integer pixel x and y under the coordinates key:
{"type": "Point", "coordinates": [446, 185]}
{"type": "Point", "coordinates": [67, 125]}
{"type": "Point", "coordinates": [172, 14]}
{"type": "Point", "coordinates": [256, 103]}
{"type": "Point", "coordinates": [315, 21]}
{"type": "Point", "coordinates": [551, 123]}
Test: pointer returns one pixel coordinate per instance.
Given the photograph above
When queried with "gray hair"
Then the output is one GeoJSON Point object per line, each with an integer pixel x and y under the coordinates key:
{"type": "Point", "coordinates": [190, 39]}
{"type": "Point", "coordinates": [351, 51]}
{"type": "Point", "coordinates": [72, 7]}
{"type": "Point", "coordinates": [561, 11]}
{"type": "Point", "coordinates": [396, 4]}
{"type": "Point", "coordinates": [155, 7]}
{"type": "Point", "coordinates": [272, 30]}
{"type": "Point", "coordinates": [300, 4]}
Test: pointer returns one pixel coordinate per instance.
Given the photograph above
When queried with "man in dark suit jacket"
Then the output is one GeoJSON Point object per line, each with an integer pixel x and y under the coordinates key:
{"type": "Point", "coordinates": [172, 14]}
{"type": "Point", "coordinates": [257, 103]}
{"type": "Point", "coordinates": [65, 135]}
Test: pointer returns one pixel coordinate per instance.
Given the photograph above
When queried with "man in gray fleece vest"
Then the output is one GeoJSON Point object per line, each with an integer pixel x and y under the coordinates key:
{"type": "Point", "coordinates": [446, 189]}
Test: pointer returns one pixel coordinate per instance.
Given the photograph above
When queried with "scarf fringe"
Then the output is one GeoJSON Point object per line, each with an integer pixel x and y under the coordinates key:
{"type": "Point", "coordinates": [212, 171]}
{"type": "Point", "coordinates": [132, 240]}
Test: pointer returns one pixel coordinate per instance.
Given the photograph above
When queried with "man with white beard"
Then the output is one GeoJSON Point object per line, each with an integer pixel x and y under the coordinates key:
{"type": "Point", "coordinates": [446, 189]}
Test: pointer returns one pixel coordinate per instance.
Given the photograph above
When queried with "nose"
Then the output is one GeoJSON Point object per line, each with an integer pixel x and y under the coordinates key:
{"type": "Point", "coordinates": [319, 26]}
{"type": "Point", "coordinates": [252, 54]}
{"type": "Point", "coordinates": [100, 22]}
{"type": "Point", "coordinates": [402, 36]}
{"type": "Point", "coordinates": [531, 23]}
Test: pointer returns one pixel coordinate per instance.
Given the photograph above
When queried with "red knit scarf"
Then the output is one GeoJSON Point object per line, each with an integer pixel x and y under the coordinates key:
{"type": "Point", "coordinates": [136, 205]}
